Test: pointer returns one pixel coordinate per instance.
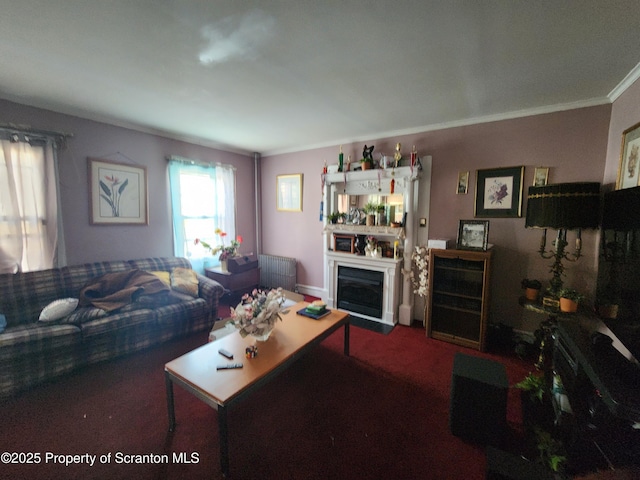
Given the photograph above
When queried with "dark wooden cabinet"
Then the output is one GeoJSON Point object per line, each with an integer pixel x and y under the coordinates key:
{"type": "Point", "coordinates": [237, 284]}
{"type": "Point", "coordinates": [458, 299]}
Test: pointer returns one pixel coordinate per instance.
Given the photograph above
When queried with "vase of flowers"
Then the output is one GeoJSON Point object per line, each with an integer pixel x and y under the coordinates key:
{"type": "Point", "coordinates": [226, 251]}
{"type": "Point", "coordinates": [258, 312]}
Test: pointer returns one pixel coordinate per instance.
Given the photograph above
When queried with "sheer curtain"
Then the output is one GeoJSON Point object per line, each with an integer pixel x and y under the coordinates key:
{"type": "Point", "coordinates": [202, 200]}
{"type": "Point", "coordinates": [29, 218]}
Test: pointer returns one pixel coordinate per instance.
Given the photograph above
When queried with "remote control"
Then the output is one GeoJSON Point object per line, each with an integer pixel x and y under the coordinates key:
{"type": "Point", "coordinates": [225, 353]}
{"type": "Point", "coordinates": [229, 366]}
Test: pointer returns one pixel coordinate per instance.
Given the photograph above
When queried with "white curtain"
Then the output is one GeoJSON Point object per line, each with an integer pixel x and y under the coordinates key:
{"type": "Point", "coordinates": [203, 200]}
{"type": "Point", "coordinates": [29, 217]}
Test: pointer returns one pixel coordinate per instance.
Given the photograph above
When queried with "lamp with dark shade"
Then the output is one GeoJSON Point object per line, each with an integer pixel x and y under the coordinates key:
{"type": "Point", "coordinates": [562, 207]}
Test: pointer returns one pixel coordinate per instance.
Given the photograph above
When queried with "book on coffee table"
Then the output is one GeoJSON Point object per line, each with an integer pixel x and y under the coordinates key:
{"type": "Point", "coordinates": [305, 312]}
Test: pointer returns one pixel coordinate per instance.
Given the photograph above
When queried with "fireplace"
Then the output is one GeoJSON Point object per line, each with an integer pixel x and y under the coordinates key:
{"type": "Point", "coordinates": [393, 303]}
{"type": "Point", "coordinates": [360, 291]}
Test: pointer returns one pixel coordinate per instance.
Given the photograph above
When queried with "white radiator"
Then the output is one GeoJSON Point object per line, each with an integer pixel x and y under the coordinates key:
{"type": "Point", "coordinates": [277, 272]}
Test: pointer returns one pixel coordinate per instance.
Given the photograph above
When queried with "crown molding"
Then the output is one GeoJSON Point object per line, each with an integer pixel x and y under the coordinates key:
{"type": "Point", "coordinates": [626, 82]}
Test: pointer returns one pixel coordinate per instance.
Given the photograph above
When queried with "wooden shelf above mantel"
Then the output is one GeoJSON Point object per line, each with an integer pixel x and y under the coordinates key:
{"type": "Point", "coordinates": [397, 232]}
{"type": "Point", "coordinates": [373, 175]}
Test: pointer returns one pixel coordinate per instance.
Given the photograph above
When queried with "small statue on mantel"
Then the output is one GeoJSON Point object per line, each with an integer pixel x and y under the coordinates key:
{"type": "Point", "coordinates": [398, 155]}
{"type": "Point", "coordinates": [367, 153]}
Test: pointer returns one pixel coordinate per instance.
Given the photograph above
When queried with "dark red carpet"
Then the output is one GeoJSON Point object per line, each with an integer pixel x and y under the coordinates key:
{"type": "Point", "coordinates": [381, 413]}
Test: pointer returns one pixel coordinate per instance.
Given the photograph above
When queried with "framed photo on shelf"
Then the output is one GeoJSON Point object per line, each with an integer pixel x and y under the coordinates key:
{"type": "Point", "coordinates": [499, 192]}
{"type": "Point", "coordinates": [117, 193]}
{"type": "Point", "coordinates": [629, 158]}
{"type": "Point", "coordinates": [289, 193]}
{"type": "Point", "coordinates": [541, 176]}
{"type": "Point", "coordinates": [473, 235]}
{"type": "Point", "coordinates": [463, 183]}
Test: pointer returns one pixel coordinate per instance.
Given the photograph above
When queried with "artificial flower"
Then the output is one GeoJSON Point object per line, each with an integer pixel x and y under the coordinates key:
{"type": "Point", "coordinates": [257, 313]}
{"type": "Point", "coordinates": [225, 251]}
{"type": "Point", "coordinates": [420, 264]}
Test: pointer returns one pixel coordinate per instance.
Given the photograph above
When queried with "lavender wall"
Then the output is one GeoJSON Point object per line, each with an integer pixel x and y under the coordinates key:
{"type": "Point", "coordinates": [577, 145]}
{"type": "Point", "coordinates": [87, 243]}
{"type": "Point", "coordinates": [572, 143]}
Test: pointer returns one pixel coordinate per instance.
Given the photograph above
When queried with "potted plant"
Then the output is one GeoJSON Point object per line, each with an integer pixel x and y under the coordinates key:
{"type": "Point", "coordinates": [534, 385]}
{"type": "Point", "coordinates": [370, 209]}
{"type": "Point", "coordinates": [569, 300]}
{"type": "Point", "coordinates": [333, 217]}
{"type": "Point", "coordinates": [551, 450]}
{"type": "Point", "coordinates": [365, 163]}
{"type": "Point", "coordinates": [531, 288]}
{"type": "Point", "coordinates": [533, 397]}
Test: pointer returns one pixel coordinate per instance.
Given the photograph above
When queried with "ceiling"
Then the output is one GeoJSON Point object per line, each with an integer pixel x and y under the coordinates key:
{"type": "Point", "coordinates": [279, 76]}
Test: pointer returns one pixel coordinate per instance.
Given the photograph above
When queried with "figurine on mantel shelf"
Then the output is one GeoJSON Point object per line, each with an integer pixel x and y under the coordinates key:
{"type": "Point", "coordinates": [398, 155]}
{"type": "Point", "coordinates": [367, 157]}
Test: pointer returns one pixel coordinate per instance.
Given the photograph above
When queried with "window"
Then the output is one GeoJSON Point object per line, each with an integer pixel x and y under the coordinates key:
{"type": "Point", "coordinates": [29, 220]}
{"type": "Point", "coordinates": [203, 199]}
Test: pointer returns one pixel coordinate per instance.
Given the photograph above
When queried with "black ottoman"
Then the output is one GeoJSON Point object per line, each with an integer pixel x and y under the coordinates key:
{"type": "Point", "coordinates": [478, 410]}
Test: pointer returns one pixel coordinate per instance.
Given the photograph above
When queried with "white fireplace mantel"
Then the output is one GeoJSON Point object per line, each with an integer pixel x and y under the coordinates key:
{"type": "Point", "coordinates": [388, 266]}
{"type": "Point", "coordinates": [398, 295]}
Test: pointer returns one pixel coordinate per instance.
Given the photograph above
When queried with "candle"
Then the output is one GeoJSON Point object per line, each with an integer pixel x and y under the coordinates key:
{"type": "Point", "coordinates": [579, 240]}
{"type": "Point", "coordinates": [413, 156]}
{"type": "Point", "coordinates": [340, 159]}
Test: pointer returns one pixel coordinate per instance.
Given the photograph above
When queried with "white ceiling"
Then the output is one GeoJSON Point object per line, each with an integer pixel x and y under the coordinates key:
{"type": "Point", "coordinates": [277, 76]}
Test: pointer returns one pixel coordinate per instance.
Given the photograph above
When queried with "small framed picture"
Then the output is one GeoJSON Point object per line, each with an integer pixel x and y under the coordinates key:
{"type": "Point", "coordinates": [499, 192]}
{"type": "Point", "coordinates": [289, 193]}
{"type": "Point", "coordinates": [541, 176]}
{"type": "Point", "coordinates": [629, 159]}
{"type": "Point", "coordinates": [473, 235]}
{"type": "Point", "coordinates": [463, 183]}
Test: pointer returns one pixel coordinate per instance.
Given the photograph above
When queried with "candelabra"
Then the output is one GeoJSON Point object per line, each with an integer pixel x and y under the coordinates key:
{"type": "Point", "coordinates": [562, 207]}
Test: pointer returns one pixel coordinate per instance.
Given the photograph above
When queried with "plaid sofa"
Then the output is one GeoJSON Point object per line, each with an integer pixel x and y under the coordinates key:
{"type": "Point", "coordinates": [32, 351]}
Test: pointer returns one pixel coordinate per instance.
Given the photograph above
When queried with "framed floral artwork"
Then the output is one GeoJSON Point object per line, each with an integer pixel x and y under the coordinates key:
{"type": "Point", "coordinates": [629, 165]}
{"type": "Point", "coordinates": [473, 235]}
{"type": "Point", "coordinates": [499, 192]}
{"type": "Point", "coordinates": [117, 193]}
{"type": "Point", "coordinates": [289, 192]}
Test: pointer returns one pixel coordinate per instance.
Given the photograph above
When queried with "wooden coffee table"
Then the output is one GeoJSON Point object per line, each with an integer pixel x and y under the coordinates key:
{"type": "Point", "coordinates": [196, 371]}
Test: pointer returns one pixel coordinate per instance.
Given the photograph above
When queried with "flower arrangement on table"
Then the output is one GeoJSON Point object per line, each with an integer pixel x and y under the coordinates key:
{"type": "Point", "coordinates": [420, 270]}
{"type": "Point", "coordinates": [225, 251]}
{"type": "Point", "coordinates": [258, 312]}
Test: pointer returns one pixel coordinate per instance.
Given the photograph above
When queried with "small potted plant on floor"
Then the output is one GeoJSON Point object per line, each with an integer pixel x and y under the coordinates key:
{"type": "Point", "coordinates": [531, 289]}
{"type": "Point", "coordinates": [569, 300]}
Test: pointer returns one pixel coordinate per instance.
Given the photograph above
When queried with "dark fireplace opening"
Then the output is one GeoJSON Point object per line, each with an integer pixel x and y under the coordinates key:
{"type": "Point", "coordinates": [360, 291]}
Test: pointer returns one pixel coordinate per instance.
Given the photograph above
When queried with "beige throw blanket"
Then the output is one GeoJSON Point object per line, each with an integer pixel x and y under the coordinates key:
{"type": "Point", "coordinates": [115, 290]}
